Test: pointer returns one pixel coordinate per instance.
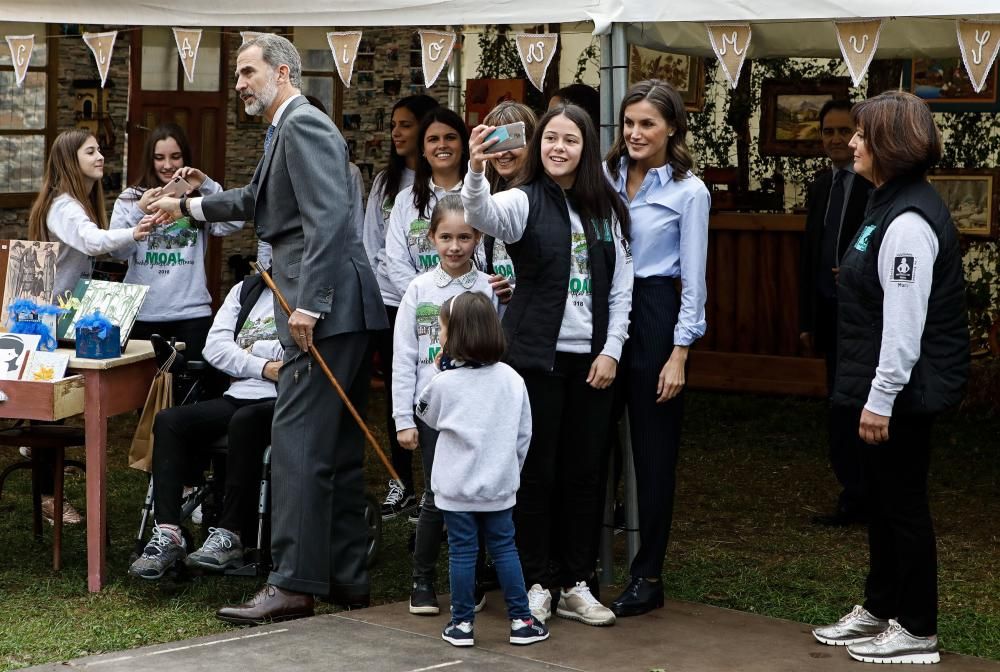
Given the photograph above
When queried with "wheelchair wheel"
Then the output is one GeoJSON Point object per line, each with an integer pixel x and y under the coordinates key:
{"type": "Point", "coordinates": [373, 520]}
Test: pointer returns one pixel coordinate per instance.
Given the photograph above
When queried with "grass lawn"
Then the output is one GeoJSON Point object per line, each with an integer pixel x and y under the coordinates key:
{"type": "Point", "coordinates": [753, 471]}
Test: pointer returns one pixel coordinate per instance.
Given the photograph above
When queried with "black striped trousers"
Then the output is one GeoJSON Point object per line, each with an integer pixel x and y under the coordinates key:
{"type": "Point", "coordinates": [655, 428]}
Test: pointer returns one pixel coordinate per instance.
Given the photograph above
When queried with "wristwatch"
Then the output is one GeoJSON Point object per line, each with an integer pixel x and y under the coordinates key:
{"type": "Point", "coordinates": [182, 204]}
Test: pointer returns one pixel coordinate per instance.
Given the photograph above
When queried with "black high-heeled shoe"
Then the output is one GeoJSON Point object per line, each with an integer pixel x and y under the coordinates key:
{"type": "Point", "coordinates": [641, 596]}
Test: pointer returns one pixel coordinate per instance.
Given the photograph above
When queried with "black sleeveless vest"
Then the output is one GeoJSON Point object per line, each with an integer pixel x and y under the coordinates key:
{"type": "Point", "coordinates": [939, 376]}
{"type": "Point", "coordinates": [542, 264]}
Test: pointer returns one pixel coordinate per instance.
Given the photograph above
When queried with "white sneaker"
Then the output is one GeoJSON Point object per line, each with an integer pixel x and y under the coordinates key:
{"type": "Point", "coordinates": [196, 517]}
{"type": "Point", "coordinates": [540, 603]}
{"type": "Point", "coordinates": [579, 604]}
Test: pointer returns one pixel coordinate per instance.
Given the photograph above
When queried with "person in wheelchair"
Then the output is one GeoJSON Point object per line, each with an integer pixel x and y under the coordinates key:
{"type": "Point", "coordinates": [243, 344]}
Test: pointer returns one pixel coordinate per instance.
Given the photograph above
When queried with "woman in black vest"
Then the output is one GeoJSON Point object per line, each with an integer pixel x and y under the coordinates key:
{"type": "Point", "coordinates": [902, 358]}
{"type": "Point", "coordinates": [565, 328]}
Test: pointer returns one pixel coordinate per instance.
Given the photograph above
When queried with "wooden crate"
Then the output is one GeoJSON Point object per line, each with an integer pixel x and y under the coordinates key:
{"type": "Point", "coordinates": [31, 400]}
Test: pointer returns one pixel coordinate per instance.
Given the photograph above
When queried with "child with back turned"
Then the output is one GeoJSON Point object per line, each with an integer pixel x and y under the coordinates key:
{"type": "Point", "coordinates": [479, 407]}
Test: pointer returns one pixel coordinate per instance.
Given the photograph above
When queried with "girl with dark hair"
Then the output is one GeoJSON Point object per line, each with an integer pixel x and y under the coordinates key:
{"type": "Point", "coordinates": [69, 210]}
{"type": "Point", "coordinates": [566, 326]}
{"type": "Point", "coordinates": [415, 345]}
{"type": "Point", "coordinates": [172, 261]}
{"type": "Point", "coordinates": [481, 448]}
{"type": "Point", "coordinates": [650, 169]}
{"type": "Point", "coordinates": [404, 154]}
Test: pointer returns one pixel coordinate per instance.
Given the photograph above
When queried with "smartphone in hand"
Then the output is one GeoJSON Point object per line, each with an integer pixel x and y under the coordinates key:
{"type": "Point", "coordinates": [176, 187]}
{"type": "Point", "coordinates": [511, 136]}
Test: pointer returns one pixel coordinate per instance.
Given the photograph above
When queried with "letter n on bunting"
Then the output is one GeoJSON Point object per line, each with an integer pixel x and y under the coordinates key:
{"type": "Point", "coordinates": [979, 41]}
{"type": "Point", "coordinates": [536, 51]}
{"type": "Point", "coordinates": [730, 41]}
{"type": "Point", "coordinates": [858, 42]}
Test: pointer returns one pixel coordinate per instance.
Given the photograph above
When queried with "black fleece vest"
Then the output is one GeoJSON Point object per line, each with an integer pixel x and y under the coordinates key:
{"type": "Point", "coordinates": [939, 376]}
{"type": "Point", "coordinates": [542, 264]}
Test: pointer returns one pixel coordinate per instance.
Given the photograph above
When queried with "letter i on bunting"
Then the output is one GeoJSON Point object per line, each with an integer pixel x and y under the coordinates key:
{"type": "Point", "coordinates": [536, 51]}
{"type": "Point", "coordinates": [20, 54]}
{"type": "Point", "coordinates": [101, 44]}
{"type": "Point", "coordinates": [858, 42]}
{"type": "Point", "coordinates": [344, 47]}
{"type": "Point", "coordinates": [436, 47]}
{"type": "Point", "coordinates": [188, 40]}
{"type": "Point", "coordinates": [730, 41]}
{"type": "Point", "coordinates": [980, 41]}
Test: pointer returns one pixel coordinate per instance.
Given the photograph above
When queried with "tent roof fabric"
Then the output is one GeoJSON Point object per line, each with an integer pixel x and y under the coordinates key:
{"type": "Point", "coordinates": [341, 13]}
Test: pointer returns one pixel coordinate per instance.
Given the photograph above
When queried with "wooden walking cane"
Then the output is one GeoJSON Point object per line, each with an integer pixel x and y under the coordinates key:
{"type": "Point", "coordinates": [333, 380]}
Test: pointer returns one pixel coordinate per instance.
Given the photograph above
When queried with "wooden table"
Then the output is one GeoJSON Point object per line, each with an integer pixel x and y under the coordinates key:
{"type": "Point", "coordinates": [99, 388]}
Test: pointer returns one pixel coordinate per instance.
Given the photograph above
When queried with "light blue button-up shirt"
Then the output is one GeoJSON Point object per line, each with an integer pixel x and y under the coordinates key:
{"type": "Point", "coordinates": [669, 237]}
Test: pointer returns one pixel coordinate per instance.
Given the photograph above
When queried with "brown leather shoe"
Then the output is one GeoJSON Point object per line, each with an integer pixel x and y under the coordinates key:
{"type": "Point", "coordinates": [70, 515]}
{"type": "Point", "coordinates": [270, 605]}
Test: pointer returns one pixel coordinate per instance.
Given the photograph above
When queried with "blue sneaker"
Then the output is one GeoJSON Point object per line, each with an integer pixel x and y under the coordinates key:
{"type": "Point", "coordinates": [459, 634]}
{"type": "Point", "coordinates": [527, 632]}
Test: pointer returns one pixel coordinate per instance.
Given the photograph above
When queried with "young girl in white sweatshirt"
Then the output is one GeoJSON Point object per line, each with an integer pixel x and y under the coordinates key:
{"type": "Point", "coordinates": [415, 346]}
{"type": "Point", "coordinates": [480, 408]}
{"type": "Point", "coordinates": [70, 209]}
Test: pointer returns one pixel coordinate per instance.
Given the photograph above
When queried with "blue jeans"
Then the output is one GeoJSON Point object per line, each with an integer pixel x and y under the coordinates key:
{"type": "Point", "coordinates": [463, 546]}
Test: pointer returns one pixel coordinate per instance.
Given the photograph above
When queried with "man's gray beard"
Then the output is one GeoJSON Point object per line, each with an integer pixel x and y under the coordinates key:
{"type": "Point", "coordinates": [263, 99]}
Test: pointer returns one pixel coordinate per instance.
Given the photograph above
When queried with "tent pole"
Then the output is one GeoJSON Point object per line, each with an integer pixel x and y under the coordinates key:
{"type": "Point", "coordinates": [455, 74]}
{"type": "Point", "coordinates": [607, 96]}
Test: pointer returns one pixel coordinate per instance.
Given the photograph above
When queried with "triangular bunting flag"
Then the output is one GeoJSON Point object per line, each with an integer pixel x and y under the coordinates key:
{"type": "Point", "coordinates": [436, 47]}
{"type": "Point", "coordinates": [248, 35]}
{"type": "Point", "coordinates": [102, 44]}
{"type": "Point", "coordinates": [536, 51]}
{"type": "Point", "coordinates": [20, 54]}
{"type": "Point", "coordinates": [730, 41]}
{"type": "Point", "coordinates": [188, 40]}
{"type": "Point", "coordinates": [858, 42]}
{"type": "Point", "coordinates": [344, 47]}
{"type": "Point", "coordinates": [979, 41]}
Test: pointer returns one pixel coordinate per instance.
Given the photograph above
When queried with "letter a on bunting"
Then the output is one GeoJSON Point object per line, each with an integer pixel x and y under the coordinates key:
{"type": "Point", "coordinates": [188, 41]}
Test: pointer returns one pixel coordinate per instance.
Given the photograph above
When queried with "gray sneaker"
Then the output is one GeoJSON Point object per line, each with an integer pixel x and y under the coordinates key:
{"type": "Point", "coordinates": [853, 628]}
{"type": "Point", "coordinates": [220, 551]}
{"type": "Point", "coordinates": [896, 645]}
{"type": "Point", "coordinates": [160, 554]}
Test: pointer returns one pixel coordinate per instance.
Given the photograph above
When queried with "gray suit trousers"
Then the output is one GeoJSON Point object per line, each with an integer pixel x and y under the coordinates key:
{"type": "Point", "coordinates": [318, 535]}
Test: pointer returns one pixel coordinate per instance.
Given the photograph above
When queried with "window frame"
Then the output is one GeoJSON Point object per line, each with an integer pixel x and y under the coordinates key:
{"type": "Point", "coordinates": [24, 199]}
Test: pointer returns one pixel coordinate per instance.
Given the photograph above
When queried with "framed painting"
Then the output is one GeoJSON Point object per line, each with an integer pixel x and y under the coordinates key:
{"type": "Point", "coordinates": [789, 115]}
{"type": "Point", "coordinates": [944, 84]}
{"type": "Point", "coordinates": [684, 73]}
{"type": "Point", "coordinates": [972, 196]}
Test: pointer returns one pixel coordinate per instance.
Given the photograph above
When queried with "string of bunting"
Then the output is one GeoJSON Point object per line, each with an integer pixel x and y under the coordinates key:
{"type": "Point", "coordinates": [979, 42]}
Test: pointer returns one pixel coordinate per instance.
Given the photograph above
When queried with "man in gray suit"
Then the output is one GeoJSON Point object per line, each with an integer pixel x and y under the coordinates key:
{"type": "Point", "coordinates": [298, 199]}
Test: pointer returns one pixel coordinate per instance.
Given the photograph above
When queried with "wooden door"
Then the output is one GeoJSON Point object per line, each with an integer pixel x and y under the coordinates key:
{"type": "Point", "coordinates": [752, 342]}
{"type": "Point", "coordinates": [202, 115]}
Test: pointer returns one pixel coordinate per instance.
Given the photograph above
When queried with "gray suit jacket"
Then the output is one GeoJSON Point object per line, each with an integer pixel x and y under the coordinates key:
{"type": "Point", "coordinates": [299, 199]}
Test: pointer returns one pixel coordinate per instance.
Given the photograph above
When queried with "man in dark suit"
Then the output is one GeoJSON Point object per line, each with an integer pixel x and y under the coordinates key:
{"type": "Point", "coordinates": [836, 203]}
{"type": "Point", "coordinates": [299, 200]}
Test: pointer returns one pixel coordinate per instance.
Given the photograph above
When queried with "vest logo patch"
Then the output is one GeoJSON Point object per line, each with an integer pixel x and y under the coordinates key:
{"type": "Point", "coordinates": [902, 268]}
{"type": "Point", "coordinates": [861, 244]}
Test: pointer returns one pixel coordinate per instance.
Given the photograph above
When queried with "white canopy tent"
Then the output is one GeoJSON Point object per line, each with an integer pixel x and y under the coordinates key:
{"type": "Point", "coordinates": [336, 13]}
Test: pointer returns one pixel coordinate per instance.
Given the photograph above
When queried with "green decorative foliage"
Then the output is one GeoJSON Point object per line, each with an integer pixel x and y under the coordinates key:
{"type": "Point", "coordinates": [498, 57]}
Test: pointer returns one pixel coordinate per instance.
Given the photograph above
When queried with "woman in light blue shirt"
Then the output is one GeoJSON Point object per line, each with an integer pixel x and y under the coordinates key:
{"type": "Point", "coordinates": [650, 168]}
